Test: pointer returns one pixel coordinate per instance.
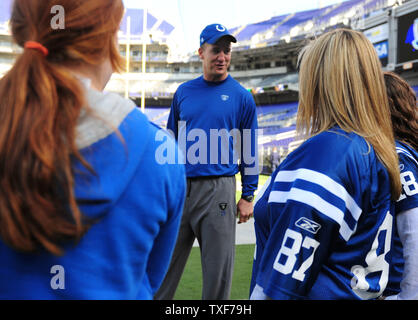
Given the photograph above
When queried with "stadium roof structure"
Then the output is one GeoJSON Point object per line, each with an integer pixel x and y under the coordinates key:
{"type": "Point", "coordinates": [310, 22]}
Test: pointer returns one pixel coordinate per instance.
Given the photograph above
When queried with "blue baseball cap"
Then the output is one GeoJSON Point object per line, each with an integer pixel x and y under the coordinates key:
{"type": "Point", "coordinates": [214, 32]}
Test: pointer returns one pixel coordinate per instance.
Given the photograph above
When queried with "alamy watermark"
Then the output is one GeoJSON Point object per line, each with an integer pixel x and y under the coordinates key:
{"type": "Point", "coordinates": [58, 280]}
{"type": "Point", "coordinates": [219, 146]}
{"type": "Point", "coordinates": [58, 20]}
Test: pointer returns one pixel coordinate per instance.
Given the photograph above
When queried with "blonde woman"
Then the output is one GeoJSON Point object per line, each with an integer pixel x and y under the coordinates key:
{"type": "Point", "coordinates": [324, 221]}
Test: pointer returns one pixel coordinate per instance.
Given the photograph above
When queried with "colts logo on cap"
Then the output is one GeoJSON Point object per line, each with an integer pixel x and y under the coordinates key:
{"type": "Point", "coordinates": [220, 28]}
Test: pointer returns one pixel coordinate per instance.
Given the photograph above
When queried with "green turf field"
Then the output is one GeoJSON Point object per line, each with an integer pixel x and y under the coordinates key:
{"type": "Point", "coordinates": [190, 287]}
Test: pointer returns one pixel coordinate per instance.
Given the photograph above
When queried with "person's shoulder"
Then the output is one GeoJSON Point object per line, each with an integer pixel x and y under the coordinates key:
{"type": "Point", "coordinates": [108, 102]}
{"type": "Point", "coordinates": [190, 84]}
{"type": "Point", "coordinates": [408, 156]}
{"type": "Point", "coordinates": [338, 142]}
{"type": "Point", "coordinates": [331, 149]}
{"type": "Point", "coordinates": [104, 114]}
{"type": "Point", "coordinates": [239, 87]}
{"type": "Point", "coordinates": [244, 95]}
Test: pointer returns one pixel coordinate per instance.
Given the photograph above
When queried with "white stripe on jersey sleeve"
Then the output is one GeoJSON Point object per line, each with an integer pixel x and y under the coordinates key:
{"type": "Point", "coordinates": [317, 203]}
{"type": "Point", "coordinates": [262, 190]}
{"type": "Point", "coordinates": [314, 200]}
{"type": "Point", "coordinates": [405, 152]}
{"type": "Point", "coordinates": [324, 181]}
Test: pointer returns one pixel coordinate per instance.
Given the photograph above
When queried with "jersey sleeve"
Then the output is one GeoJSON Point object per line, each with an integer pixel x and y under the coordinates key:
{"type": "Point", "coordinates": [409, 175]}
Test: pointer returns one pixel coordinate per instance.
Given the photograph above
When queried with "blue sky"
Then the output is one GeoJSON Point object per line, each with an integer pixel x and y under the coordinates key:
{"type": "Point", "coordinates": [191, 16]}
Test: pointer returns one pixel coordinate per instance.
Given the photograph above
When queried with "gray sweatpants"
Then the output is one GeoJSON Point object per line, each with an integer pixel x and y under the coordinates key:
{"type": "Point", "coordinates": [208, 215]}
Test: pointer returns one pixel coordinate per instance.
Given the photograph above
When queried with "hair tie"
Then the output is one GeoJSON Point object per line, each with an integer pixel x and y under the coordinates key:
{"type": "Point", "coordinates": [36, 46]}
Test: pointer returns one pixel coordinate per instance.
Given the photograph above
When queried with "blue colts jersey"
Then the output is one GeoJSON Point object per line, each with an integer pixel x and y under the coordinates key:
{"type": "Point", "coordinates": [324, 222]}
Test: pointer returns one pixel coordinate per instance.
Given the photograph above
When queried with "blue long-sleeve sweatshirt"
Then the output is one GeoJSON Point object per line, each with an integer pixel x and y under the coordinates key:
{"type": "Point", "coordinates": [138, 204]}
{"type": "Point", "coordinates": [215, 124]}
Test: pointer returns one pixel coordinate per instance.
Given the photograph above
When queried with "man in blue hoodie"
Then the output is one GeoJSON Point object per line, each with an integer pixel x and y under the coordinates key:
{"type": "Point", "coordinates": [214, 121]}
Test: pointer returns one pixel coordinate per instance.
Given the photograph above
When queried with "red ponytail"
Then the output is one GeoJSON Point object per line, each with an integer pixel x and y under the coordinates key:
{"type": "Point", "coordinates": [39, 108]}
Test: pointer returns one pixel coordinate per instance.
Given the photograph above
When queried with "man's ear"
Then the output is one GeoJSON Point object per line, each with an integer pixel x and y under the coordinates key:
{"type": "Point", "coordinates": [200, 51]}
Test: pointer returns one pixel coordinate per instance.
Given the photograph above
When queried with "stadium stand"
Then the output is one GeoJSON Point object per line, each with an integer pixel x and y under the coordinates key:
{"type": "Point", "coordinates": [337, 11]}
{"type": "Point", "coordinates": [298, 19]}
{"type": "Point", "coordinates": [278, 124]}
{"type": "Point", "coordinates": [247, 32]}
{"type": "Point", "coordinates": [292, 25]}
{"type": "Point", "coordinates": [275, 117]}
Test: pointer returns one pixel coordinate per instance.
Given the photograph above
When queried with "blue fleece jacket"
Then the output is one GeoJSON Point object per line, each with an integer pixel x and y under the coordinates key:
{"type": "Point", "coordinates": [138, 202]}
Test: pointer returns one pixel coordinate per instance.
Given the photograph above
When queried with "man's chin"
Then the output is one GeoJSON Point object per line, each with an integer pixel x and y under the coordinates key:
{"type": "Point", "coordinates": [221, 72]}
{"type": "Point", "coordinates": [217, 75]}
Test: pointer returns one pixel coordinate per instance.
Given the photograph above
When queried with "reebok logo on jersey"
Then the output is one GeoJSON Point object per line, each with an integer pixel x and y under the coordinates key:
{"type": "Point", "coordinates": [308, 225]}
{"type": "Point", "coordinates": [224, 97]}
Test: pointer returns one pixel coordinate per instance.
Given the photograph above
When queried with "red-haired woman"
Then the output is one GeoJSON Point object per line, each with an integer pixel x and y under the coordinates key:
{"type": "Point", "coordinates": [86, 212]}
